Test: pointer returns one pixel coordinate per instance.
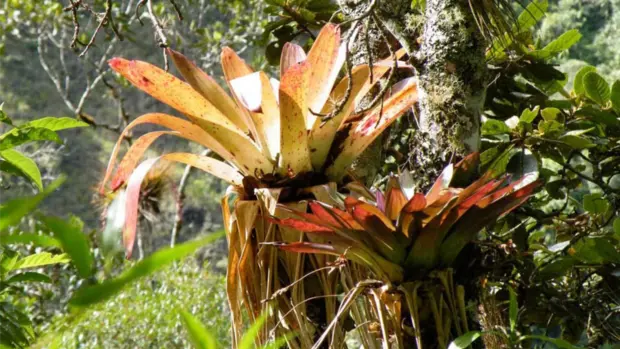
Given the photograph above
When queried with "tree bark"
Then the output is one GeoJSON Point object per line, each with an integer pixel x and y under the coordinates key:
{"type": "Point", "coordinates": [452, 86]}
{"type": "Point", "coordinates": [452, 74]}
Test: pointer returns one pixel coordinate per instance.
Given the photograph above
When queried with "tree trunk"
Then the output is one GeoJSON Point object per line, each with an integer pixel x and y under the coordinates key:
{"type": "Point", "coordinates": [452, 84]}
{"type": "Point", "coordinates": [452, 75]}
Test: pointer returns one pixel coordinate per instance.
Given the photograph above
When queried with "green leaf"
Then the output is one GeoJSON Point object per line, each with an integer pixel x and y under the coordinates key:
{"type": "Point", "coordinates": [596, 88]}
{"type": "Point", "coordinates": [464, 341]}
{"type": "Point", "coordinates": [200, 337]}
{"type": "Point", "coordinates": [4, 118]}
{"type": "Point", "coordinates": [557, 268]}
{"type": "Point", "coordinates": [596, 250]}
{"type": "Point", "coordinates": [29, 276]}
{"type": "Point", "coordinates": [561, 343]}
{"type": "Point", "coordinates": [528, 115]}
{"type": "Point", "coordinates": [56, 124]}
{"type": "Point", "coordinates": [74, 243]}
{"type": "Point", "coordinates": [41, 259]}
{"type": "Point", "coordinates": [595, 204]}
{"type": "Point", "coordinates": [488, 155]}
{"type": "Point", "coordinates": [247, 342]}
{"type": "Point", "coordinates": [498, 167]}
{"type": "Point", "coordinates": [550, 114]}
{"type": "Point", "coordinates": [617, 226]}
{"type": "Point", "coordinates": [615, 96]}
{"type": "Point", "coordinates": [13, 211]}
{"type": "Point", "coordinates": [559, 45]}
{"type": "Point", "coordinates": [550, 128]}
{"type": "Point", "coordinates": [513, 310]}
{"type": "Point", "coordinates": [29, 238]}
{"type": "Point", "coordinates": [21, 135]}
{"type": "Point", "coordinates": [577, 142]}
{"type": "Point", "coordinates": [24, 164]}
{"type": "Point", "coordinates": [494, 127]}
{"type": "Point", "coordinates": [98, 293]}
{"type": "Point", "coordinates": [533, 13]}
{"type": "Point", "coordinates": [578, 86]}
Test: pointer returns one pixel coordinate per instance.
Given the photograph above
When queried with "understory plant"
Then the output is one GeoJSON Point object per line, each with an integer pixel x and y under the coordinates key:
{"type": "Point", "coordinates": [275, 142]}
{"type": "Point", "coordinates": [402, 247]}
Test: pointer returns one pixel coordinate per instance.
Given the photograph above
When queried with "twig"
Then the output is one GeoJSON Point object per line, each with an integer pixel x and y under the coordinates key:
{"type": "Point", "coordinates": [159, 30]}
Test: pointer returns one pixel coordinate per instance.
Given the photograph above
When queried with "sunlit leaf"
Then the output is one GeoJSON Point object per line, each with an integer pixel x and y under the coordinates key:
{"type": "Point", "coordinates": [578, 86]}
{"type": "Point", "coordinates": [29, 238]}
{"type": "Point", "coordinates": [24, 164]}
{"type": "Point", "coordinates": [41, 259]}
{"type": "Point", "coordinates": [513, 310]}
{"type": "Point", "coordinates": [596, 88]}
{"type": "Point", "coordinates": [74, 243]}
{"type": "Point", "coordinates": [200, 337]}
{"type": "Point", "coordinates": [94, 294]}
{"type": "Point", "coordinates": [12, 211]}
{"type": "Point", "coordinates": [464, 341]}
{"type": "Point", "coordinates": [29, 276]}
{"type": "Point", "coordinates": [615, 96]}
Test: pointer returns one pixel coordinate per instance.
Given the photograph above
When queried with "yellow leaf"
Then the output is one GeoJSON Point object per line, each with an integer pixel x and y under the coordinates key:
{"type": "Point", "coordinates": [209, 89]}
{"type": "Point", "coordinates": [295, 155]}
{"type": "Point", "coordinates": [291, 55]}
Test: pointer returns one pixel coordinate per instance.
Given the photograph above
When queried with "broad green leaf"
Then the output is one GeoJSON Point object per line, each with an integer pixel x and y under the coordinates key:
{"type": "Point", "coordinates": [596, 250]}
{"type": "Point", "coordinates": [464, 341]}
{"type": "Point", "coordinates": [494, 127]}
{"type": "Point", "coordinates": [617, 226]}
{"type": "Point", "coordinates": [74, 243]}
{"type": "Point", "coordinates": [550, 114]}
{"type": "Point", "coordinates": [556, 268]}
{"type": "Point", "coordinates": [13, 211]}
{"type": "Point", "coordinates": [29, 276]}
{"type": "Point", "coordinates": [595, 204]}
{"type": "Point", "coordinates": [513, 310]}
{"type": "Point", "coordinates": [533, 13]}
{"type": "Point", "coordinates": [600, 116]}
{"type": "Point", "coordinates": [98, 293]}
{"type": "Point", "coordinates": [559, 45]}
{"type": "Point", "coordinates": [550, 128]}
{"type": "Point", "coordinates": [29, 238]}
{"type": "Point", "coordinates": [200, 337]}
{"type": "Point", "coordinates": [488, 155]}
{"type": "Point", "coordinates": [498, 167]}
{"type": "Point", "coordinates": [41, 259]}
{"type": "Point", "coordinates": [615, 96]}
{"type": "Point", "coordinates": [577, 142]}
{"type": "Point", "coordinates": [560, 343]}
{"type": "Point", "coordinates": [528, 115]}
{"type": "Point", "coordinates": [578, 86]}
{"type": "Point", "coordinates": [56, 124]}
{"type": "Point", "coordinates": [596, 88]}
{"type": "Point", "coordinates": [247, 342]}
{"type": "Point", "coordinates": [21, 135]}
{"type": "Point", "coordinates": [26, 165]}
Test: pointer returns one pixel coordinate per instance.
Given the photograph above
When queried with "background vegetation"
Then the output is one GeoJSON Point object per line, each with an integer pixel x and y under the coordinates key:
{"type": "Point", "coordinates": [41, 75]}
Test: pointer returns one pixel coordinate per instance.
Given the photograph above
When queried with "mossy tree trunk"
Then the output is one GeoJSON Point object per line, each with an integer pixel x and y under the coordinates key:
{"type": "Point", "coordinates": [451, 67]}
{"type": "Point", "coordinates": [452, 84]}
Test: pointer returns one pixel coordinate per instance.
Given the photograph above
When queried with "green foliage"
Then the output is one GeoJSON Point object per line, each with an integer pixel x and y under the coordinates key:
{"type": "Point", "coordinates": [145, 314]}
{"type": "Point", "coordinates": [43, 129]}
{"type": "Point", "coordinates": [97, 293]}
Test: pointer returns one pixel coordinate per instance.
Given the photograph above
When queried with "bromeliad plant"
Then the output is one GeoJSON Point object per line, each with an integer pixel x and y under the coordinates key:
{"type": "Point", "coordinates": [278, 142]}
{"type": "Point", "coordinates": [400, 242]}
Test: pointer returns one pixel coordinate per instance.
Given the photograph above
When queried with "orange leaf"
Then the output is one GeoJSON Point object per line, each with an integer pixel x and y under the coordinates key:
{"type": "Point", "coordinates": [184, 129]}
{"type": "Point", "coordinates": [209, 89]}
{"type": "Point", "coordinates": [404, 96]}
{"type": "Point", "coordinates": [326, 58]}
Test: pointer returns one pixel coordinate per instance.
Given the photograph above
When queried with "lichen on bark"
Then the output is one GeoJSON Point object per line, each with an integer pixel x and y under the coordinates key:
{"type": "Point", "coordinates": [452, 77]}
